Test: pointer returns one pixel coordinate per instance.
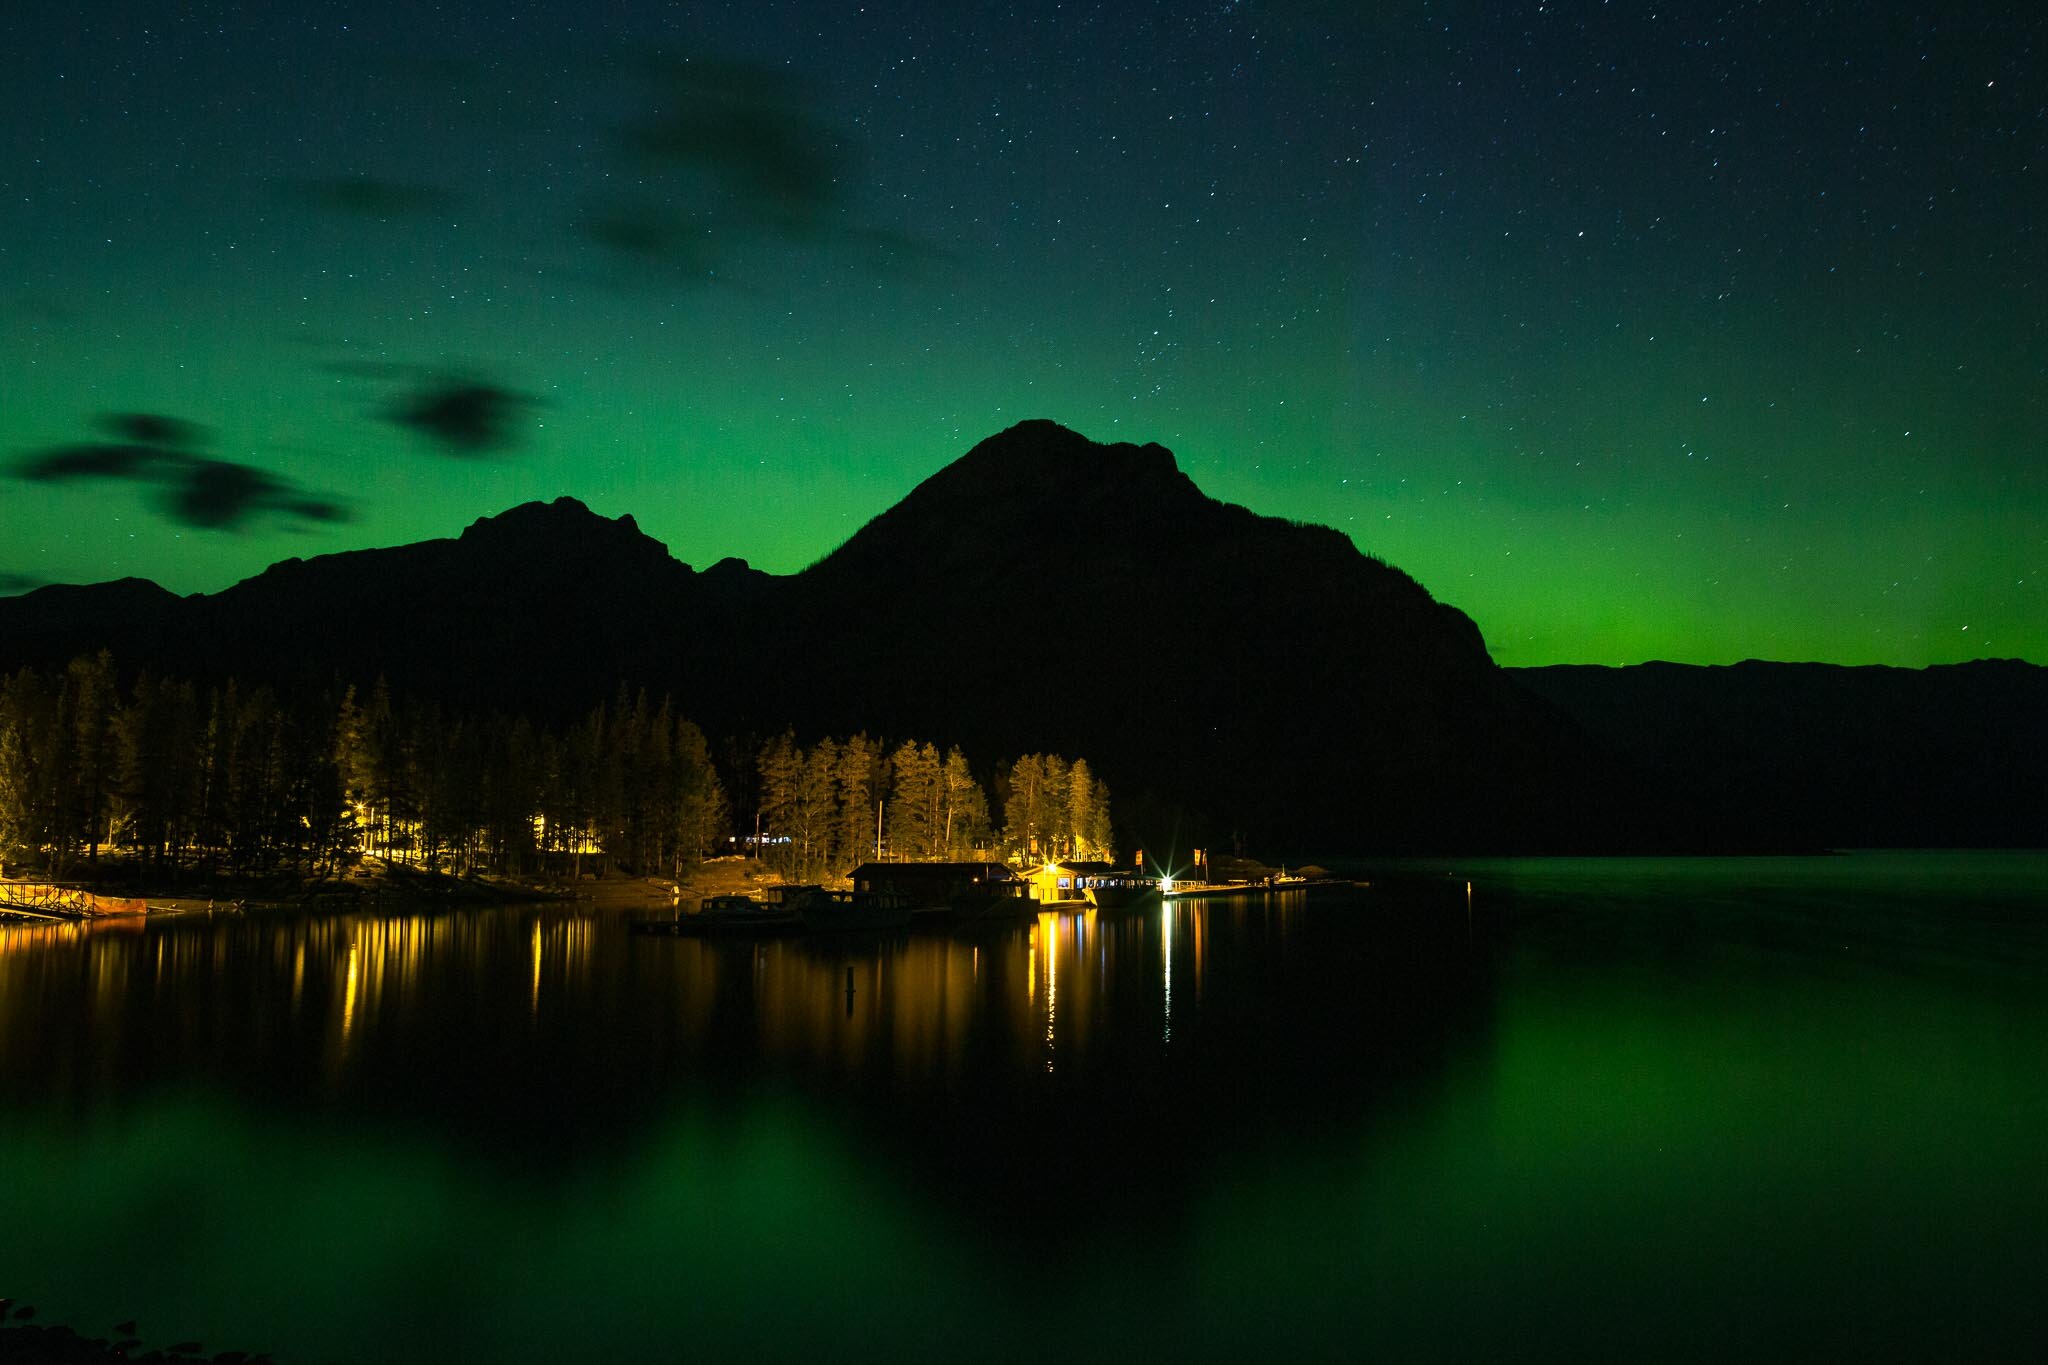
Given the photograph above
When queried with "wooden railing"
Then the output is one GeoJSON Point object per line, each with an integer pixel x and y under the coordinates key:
{"type": "Point", "coordinates": [47, 900]}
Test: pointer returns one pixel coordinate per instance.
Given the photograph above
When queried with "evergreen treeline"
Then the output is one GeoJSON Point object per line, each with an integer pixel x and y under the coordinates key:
{"type": "Point", "coordinates": [1057, 809]}
{"type": "Point", "coordinates": [827, 809]}
{"type": "Point", "coordinates": [237, 780]}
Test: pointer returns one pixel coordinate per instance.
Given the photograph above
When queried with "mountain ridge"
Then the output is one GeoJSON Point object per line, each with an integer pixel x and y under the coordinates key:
{"type": "Point", "coordinates": [1848, 755]}
{"type": "Point", "coordinates": [1233, 676]}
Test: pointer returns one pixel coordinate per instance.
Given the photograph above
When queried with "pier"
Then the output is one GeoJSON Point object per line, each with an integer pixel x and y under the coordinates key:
{"type": "Point", "coordinates": [48, 901]}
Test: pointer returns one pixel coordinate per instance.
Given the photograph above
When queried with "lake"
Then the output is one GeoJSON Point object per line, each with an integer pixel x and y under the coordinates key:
{"type": "Point", "coordinates": [1699, 1109]}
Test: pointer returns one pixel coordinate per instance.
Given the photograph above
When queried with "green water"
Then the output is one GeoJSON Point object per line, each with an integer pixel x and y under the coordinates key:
{"type": "Point", "coordinates": [1655, 1109]}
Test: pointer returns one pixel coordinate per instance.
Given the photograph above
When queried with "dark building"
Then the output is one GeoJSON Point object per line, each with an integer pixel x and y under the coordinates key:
{"type": "Point", "coordinates": [935, 883]}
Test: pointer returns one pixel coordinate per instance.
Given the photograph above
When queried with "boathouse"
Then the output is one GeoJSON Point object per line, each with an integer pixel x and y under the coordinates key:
{"type": "Point", "coordinates": [1073, 880]}
{"type": "Point", "coordinates": [932, 883]}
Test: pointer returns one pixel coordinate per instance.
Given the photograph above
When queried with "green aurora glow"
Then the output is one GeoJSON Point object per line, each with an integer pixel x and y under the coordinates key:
{"type": "Point", "coordinates": [1626, 353]}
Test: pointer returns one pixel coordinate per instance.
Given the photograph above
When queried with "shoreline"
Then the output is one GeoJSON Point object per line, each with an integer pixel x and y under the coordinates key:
{"type": "Point", "coordinates": [392, 888]}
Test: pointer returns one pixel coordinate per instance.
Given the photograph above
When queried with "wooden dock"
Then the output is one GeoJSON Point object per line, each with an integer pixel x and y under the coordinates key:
{"type": "Point", "coordinates": [48, 901]}
{"type": "Point", "coordinates": [1227, 890]}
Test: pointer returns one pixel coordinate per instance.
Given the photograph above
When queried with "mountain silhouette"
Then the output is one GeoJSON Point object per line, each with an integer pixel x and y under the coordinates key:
{"type": "Point", "coordinates": [1048, 591]}
{"type": "Point", "coordinates": [1232, 676]}
{"type": "Point", "coordinates": [1833, 756]}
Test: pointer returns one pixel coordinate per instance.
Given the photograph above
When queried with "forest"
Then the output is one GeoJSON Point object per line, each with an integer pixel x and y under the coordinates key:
{"type": "Point", "coordinates": [841, 803]}
{"type": "Point", "coordinates": [170, 780]}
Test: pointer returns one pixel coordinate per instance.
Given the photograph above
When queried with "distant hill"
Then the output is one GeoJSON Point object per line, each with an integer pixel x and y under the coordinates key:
{"type": "Point", "coordinates": [1950, 756]}
{"type": "Point", "coordinates": [1228, 674]}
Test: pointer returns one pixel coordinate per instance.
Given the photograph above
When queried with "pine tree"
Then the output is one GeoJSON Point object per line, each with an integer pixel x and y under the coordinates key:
{"type": "Point", "coordinates": [815, 811]}
{"type": "Point", "coordinates": [512, 795]}
{"type": "Point", "coordinates": [155, 742]}
{"type": "Point", "coordinates": [353, 767]}
{"type": "Point", "coordinates": [703, 811]}
{"type": "Point", "coordinates": [89, 703]}
{"type": "Point", "coordinates": [655, 799]}
{"type": "Point", "coordinates": [383, 776]}
{"type": "Point", "coordinates": [1021, 805]}
{"type": "Point", "coordinates": [582, 756]}
{"type": "Point", "coordinates": [967, 829]}
{"type": "Point", "coordinates": [1101, 837]}
{"type": "Point", "coordinates": [857, 789]}
{"type": "Point", "coordinates": [916, 818]}
{"type": "Point", "coordinates": [780, 766]}
{"type": "Point", "coordinates": [21, 706]}
{"type": "Point", "coordinates": [1088, 814]}
{"type": "Point", "coordinates": [48, 742]}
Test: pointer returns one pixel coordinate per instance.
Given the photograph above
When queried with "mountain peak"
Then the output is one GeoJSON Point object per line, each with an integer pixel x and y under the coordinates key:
{"type": "Point", "coordinates": [1032, 485]}
{"type": "Point", "coordinates": [565, 515]}
{"type": "Point", "coordinates": [565, 525]}
{"type": "Point", "coordinates": [1039, 457]}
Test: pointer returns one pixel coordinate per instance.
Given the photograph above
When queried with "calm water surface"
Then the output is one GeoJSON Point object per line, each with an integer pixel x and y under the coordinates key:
{"type": "Point", "coordinates": [1665, 1108]}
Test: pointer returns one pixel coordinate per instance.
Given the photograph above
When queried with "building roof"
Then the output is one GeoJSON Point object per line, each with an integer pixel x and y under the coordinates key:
{"type": "Point", "coordinates": [935, 871]}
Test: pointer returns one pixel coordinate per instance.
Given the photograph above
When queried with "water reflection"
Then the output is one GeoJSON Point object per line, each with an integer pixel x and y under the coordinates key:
{"type": "Point", "coordinates": [348, 996]}
{"type": "Point", "coordinates": [1306, 1124]}
{"type": "Point", "coordinates": [1048, 937]}
{"type": "Point", "coordinates": [1166, 909]}
{"type": "Point", "coordinates": [458, 1020]}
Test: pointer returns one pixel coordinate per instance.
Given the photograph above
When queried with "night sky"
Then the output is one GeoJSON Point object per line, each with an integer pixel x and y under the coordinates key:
{"type": "Point", "coordinates": [1695, 332]}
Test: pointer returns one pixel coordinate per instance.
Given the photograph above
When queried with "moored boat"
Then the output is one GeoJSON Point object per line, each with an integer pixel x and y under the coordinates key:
{"type": "Point", "coordinates": [957, 892]}
{"type": "Point", "coordinates": [738, 916]}
{"type": "Point", "coordinates": [1130, 892]}
{"type": "Point", "coordinates": [826, 911]}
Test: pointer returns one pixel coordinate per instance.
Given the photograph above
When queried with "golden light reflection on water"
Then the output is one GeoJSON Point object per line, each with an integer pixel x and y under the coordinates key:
{"type": "Point", "coordinates": [19, 938]}
{"type": "Point", "coordinates": [1049, 936]}
{"type": "Point", "coordinates": [348, 994]}
{"type": "Point", "coordinates": [561, 952]}
{"type": "Point", "coordinates": [354, 993]}
{"type": "Point", "coordinates": [1166, 966]}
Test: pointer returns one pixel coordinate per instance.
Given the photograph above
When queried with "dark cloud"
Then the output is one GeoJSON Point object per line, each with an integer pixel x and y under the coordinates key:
{"type": "Point", "coordinates": [753, 131]}
{"type": "Point", "coordinates": [217, 495]}
{"type": "Point", "coordinates": [652, 234]}
{"type": "Point", "coordinates": [62, 464]}
{"type": "Point", "coordinates": [457, 414]}
{"type": "Point", "coordinates": [193, 489]}
{"type": "Point", "coordinates": [370, 196]}
{"type": "Point", "coordinates": [153, 428]}
{"type": "Point", "coordinates": [725, 152]}
{"type": "Point", "coordinates": [11, 583]}
{"type": "Point", "coordinates": [463, 417]}
{"type": "Point", "coordinates": [719, 153]}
